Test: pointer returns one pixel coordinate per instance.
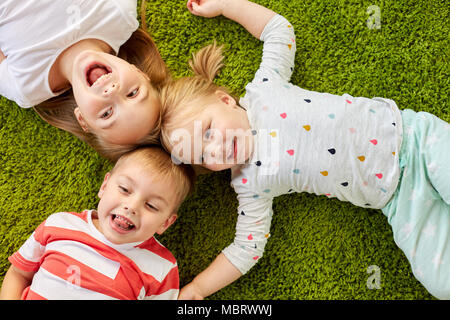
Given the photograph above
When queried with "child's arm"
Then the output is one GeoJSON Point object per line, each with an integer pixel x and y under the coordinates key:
{"type": "Point", "coordinates": [2, 56]}
{"type": "Point", "coordinates": [219, 274]}
{"type": "Point", "coordinates": [253, 17]}
{"type": "Point", "coordinates": [14, 283]}
{"type": "Point", "coordinates": [24, 264]}
{"type": "Point", "coordinates": [252, 232]}
{"type": "Point", "coordinates": [277, 33]}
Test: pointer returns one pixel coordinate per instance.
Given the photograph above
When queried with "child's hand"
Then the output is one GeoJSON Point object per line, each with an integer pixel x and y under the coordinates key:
{"type": "Point", "coordinates": [205, 8]}
{"type": "Point", "coordinates": [2, 56]}
{"type": "Point", "coordinates": [190, 292]}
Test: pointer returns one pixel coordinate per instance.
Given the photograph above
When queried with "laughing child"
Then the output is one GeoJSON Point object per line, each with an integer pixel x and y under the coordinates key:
{"type": "Point", "coordinates": [85, 67]}
{"type": "Point", "coordinates": [111, 252]}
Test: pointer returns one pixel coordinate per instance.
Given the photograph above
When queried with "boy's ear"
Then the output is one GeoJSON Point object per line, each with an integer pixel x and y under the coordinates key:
{"type": "Point", "coordinates": [226, 98]}
{"type": "Point", "coordinates": [80, 119]}
{"type": "Point", "coordinates": [103, 186]}
{"type": "Point", "coordinates": [170, 220]}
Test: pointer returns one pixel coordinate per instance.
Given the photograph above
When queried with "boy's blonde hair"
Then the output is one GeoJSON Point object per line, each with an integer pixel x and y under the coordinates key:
{"type": "Point", "coordinates": [182, 99]}
{"type": "Point", "coordinates": [157, 161]}
{"type": "Point", "coordinates": [139, 50]}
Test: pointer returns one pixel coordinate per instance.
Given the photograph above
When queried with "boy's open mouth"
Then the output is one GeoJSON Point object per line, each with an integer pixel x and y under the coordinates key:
{"type": "Point", "coordinates": [121, 224]}
{"type": "Point", "coordinates": [96, 71]}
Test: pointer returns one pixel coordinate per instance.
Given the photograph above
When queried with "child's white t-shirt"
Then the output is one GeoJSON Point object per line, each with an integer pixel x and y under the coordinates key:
{"type": "Point", "coordinates": [34, 33]}
{"type": "Point", "coordinates": [339, 146]}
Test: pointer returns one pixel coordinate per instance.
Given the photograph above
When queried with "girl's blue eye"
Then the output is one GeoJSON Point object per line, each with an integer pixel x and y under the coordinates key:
{"type": "Point", "coordinates": [207, 134]}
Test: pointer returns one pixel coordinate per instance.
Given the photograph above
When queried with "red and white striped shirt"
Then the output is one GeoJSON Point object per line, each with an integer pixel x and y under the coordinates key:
{"type": "Point", "coordinates": [73, 260]}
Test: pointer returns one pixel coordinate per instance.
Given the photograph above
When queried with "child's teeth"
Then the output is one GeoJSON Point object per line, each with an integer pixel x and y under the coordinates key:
{"type": "Point", "coordinates": [100, 78]}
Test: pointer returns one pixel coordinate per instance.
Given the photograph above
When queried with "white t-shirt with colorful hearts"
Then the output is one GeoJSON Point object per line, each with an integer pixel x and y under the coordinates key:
{"type": "Point", "coordinates": [338, 146]}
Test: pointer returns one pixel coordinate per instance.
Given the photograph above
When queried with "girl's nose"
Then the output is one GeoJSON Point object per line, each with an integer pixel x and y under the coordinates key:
{"type": "Point", "coordinates": [215, 151]}
{"type": "Point", "coordinates": [111, 88]}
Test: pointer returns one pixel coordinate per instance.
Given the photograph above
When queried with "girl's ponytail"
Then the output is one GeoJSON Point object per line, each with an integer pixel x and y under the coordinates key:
{"type": "Point", "coordinates": [207, 62]}
{"type": "Point", "coordinates": [143, 12]}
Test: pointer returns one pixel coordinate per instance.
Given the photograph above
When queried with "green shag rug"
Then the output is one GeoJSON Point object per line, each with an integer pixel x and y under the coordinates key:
{"type": "Point", "coordinates": [319, 248]}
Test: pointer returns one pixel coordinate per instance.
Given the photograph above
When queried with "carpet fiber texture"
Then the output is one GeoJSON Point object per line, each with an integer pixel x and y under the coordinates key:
{"type": "Point", "coordinates": [319, 248]}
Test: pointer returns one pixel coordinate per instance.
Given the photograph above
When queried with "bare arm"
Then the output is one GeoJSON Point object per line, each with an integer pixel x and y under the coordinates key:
{"type": "Point", "coordinates": [219, 274]}
{"type": "Point", "coordinates": [253, 17]}
{"type": "Point", "coordinates": [2, 56]}
{"type": "Point", "coordinates": [14, 283]}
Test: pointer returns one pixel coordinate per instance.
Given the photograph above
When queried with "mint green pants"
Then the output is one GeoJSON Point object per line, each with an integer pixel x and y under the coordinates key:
{"type": "Point", "coordinates": [419, 212]}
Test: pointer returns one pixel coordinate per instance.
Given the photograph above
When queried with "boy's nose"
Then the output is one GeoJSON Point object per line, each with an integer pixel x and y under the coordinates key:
{"type": "Point", "coordinates": [129, 209]}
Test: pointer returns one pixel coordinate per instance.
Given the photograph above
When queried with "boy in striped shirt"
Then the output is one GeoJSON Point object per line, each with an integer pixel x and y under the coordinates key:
{"type": "Point", "coordinates": [111, 252]}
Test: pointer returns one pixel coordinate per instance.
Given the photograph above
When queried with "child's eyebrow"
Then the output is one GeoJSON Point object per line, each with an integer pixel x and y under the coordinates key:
{"type": "Point", "coordinates": [127, 178]}
{"type": "Point", "coordinates": [160, 198]}
{"type": "Point", "coordinates": [145, 96]}
{"type": "Point", "coordinates": [132, 182]}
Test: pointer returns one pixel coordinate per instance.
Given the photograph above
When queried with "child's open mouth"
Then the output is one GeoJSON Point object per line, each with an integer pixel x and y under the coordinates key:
{"type": "Point", "coordinates": [121, 224]}
{"type": "Point", "coordinates": [232, 151]}
{"type": "Point", "coordinates": [235, 148]}
{"type": "Point", "coordinates": [95, 72]}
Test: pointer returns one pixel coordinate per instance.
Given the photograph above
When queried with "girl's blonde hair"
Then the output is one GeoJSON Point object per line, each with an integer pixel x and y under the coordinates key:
{"type": "Point", "coordinates": [139, 50]}
{"type": "Point", "coordinates": [182, 99]}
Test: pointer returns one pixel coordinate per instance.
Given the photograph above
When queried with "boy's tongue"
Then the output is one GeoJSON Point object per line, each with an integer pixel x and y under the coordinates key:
{"type": "Point", "coordinates": [120, 222]}
{"type": "Point", "coordinates": [96, 73]}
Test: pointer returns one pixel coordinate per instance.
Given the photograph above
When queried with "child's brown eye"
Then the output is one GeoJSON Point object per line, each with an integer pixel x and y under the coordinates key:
{"type": "Point", "coordinates": [133, 93]}
{"type": "Point", "coordinates": [106, 114]}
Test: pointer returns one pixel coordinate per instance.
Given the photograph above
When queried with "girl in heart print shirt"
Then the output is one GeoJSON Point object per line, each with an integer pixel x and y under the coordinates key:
{"type": "Point", "coordinates": [280, 138]}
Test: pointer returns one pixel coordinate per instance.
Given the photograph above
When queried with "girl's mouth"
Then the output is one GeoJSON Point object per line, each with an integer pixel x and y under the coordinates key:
{"type": "Point", "coordinates": [121, 224]}
{"type": "Point", "coordinates": [232, 153]}
{"type": "Point", "coordinates": [95, 72]}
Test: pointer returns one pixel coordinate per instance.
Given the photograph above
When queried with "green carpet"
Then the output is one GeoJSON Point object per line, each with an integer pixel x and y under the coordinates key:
{"type": "Point", "coordinates": [319, 248]}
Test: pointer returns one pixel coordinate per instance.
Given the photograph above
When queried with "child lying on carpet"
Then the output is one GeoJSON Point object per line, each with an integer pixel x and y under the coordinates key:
{"type": "Point", "coordinates": [108, 253]}
{"type": "Point", "coordinates": [281, 139]}
{"type": "Point", "coordinates": [85, 67]}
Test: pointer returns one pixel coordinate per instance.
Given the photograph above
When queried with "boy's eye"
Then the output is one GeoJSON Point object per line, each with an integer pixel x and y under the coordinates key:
{"type": "Point", "coordinates": [123, 189]}
{"type": "Point", "coordinates": [150, 206]}
{"type": "Point", "coordinates": [133, 93]}
{"type": "Point", "coordinates": [106, 114]}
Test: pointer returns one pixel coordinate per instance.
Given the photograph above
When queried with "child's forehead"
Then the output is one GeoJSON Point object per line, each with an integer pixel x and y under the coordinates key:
{"type": "Point", "coordinates": [145, 175]}
{"type": "Point", "coordinates": [193, 111]}
{"type": "Point", "coordinates": [197, 114]}
{"type": "Point", "coordinates": [136, 165]}
{"type": "Point", "coordinates": [152, 169]}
